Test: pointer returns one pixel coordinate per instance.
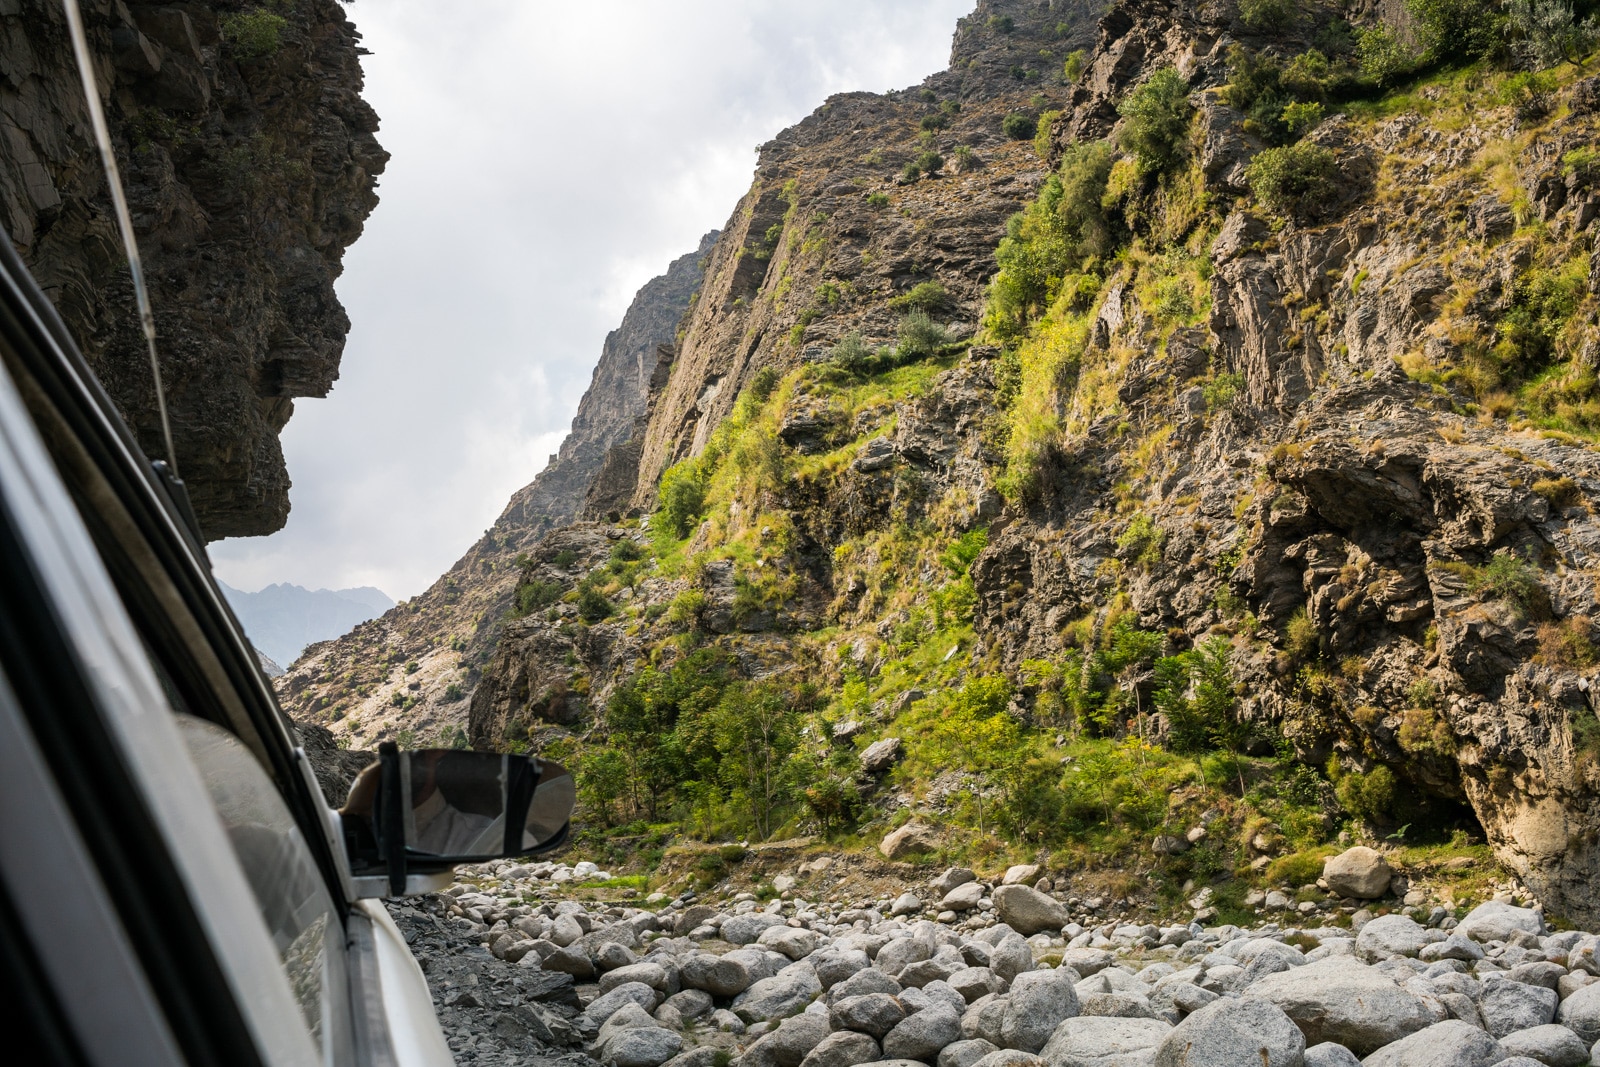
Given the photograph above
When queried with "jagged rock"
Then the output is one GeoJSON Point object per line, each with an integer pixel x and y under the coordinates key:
{"type": "Point", "coordinates": [789, 1044]}
{"type": "Point", "coordinates": [843, 1049]}
{"type": "Point", "coordinates": [1507, 1007]}
{"type": "Point", "coordinates": [879, 756]}
{"type": "Point", "coordinates": [1038, 1002]}
{"type": "Point", "coordinates": [870, 1013]}
{"type": "Point", "coordinates": [1029, 911]}
{"type": "Point", "coordinates": [1340, 1000]}
{"type": "Point", "coordinates": [783, 994]}
{"type": "Point", "coordinates": [921, 1036]}
{"type": "Point", "coordinates": [1358, 872]}
{"type": "Point", "coordinates": [1553, 1045]}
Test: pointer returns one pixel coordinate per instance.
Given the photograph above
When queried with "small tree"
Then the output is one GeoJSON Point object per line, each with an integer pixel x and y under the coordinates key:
{"type": "Point", "coordinates": [919, 338]}
{"type": "Point", "coordinates": [1156, 120]}
{"type": "Point", "coordinates": [1383, 56]}
{"type": "Point", "coordinates": [1293, 180]}
{"type": "Point", "coordinates": [757, 730]}
{"type": "Point", "coordinates": [1019, 126]}
{"type": "Point", "coordinates": [1267, 16]}
{"type": "Point", "coordinates": [1545, 32]}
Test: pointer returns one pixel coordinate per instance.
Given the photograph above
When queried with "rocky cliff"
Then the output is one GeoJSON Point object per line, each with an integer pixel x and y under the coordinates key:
{"type": "Point", "coordinates": [415, 668]}
{"type": "Point", "coordinates": [1201, 481]}
{"type": "Point", "coordinates": [249, 163]}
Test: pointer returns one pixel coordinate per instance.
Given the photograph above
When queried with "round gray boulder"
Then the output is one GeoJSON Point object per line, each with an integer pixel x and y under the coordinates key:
{"type": "Point", "coordinates": [1451, 1043]}
{"type": "Point", "coordinates": [1244, 1031]}
{"type": "Point", "coordinates": [1104, 1042]}
{"type": "Point", "coordinates": [1039, 1002]}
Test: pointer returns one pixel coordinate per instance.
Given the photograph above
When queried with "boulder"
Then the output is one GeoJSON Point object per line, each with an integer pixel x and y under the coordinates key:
{"type": "Point", "coordinates": [1039, 1002]}
{"type": "Point", "coordinates": [1021, 874]}
{"type": "Point", "coordinates": [1388, 936]}
{"type": "Point", "coordinates": [870, 980]}
{"type": "Point", "coordinates": [1329, 1054]}
{"type": "Point", "coordinates": [1338, 999]}
{"type": "Point", "coordinates": [1507, 1007]}
{"type": "Point", "coordinates": [1099, 1042]}
{"type": "Point", "coordinates": [875, 1014]}
{"type": "Point", "coordinates": [642, 1046]}
{"type": "Point", "coordinates": [962, 897]}
{"type": "Point", "coordinates": [1029, 911]}
{"type": "Point", "coordinates": [1451, 1043]}
{"type": "Point", "coordinates": [782, 995]}
{"type": "Point", "coordinates": [796, 944]}
{"type": "Point", "coordinates": [965, 1053]}
{"type": "Point", "coordinates": [1244, 1031]}
{"type": "Point", "coordinates": [1011, 957]}
{"type": "Point", "coordinates": [951, 878]}
{"type": "Point", "coordinates": [651, 974]}
{"type": "Point", "coordinates": [879, 756]}
{"type": "Point", "coordinates": [843, 1049]}
{"type": "Point", "coordinates": [908, 840]}
{"type": "Point", "coordinates": [789, 1044]}
{"type": "Point", "coordinates": [900, 953]}
{"type": "Point", "coordinates": [1494, 921]}
{"type": "Point", "coordinates": [747, 929]}
{"type": "Point", "coordinates": [1551, 1044]}
{"type": "Point", "coordinates": [1358, 872]}
{"type": "Point", "coordinates": [1580, 1013]}
{"type": "Point", "coordinates": [921, 1036]}
{"type": "Point", "coordinates": [1008, 1057]}
{"type": "Point", "coordinates": [717, 975]}
{"type": "Point", "coordinates": [608, 1004]}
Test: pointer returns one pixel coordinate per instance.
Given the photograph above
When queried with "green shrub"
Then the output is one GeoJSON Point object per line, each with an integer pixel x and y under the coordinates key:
{"type": "Point", "coordinates": [564, 559]}
{"type": "Point", "coordinates": [452, 693]}
{"type": "Point", "coordinates": [1301, 119]}
{"type": "Point", "coordinates": [1156, 118]}
{"type": "Point", "coordinates": [851, 352]}
{"type": "Point", "coordinates": [1221, 390]}
{"type": "Point", "coordinates": [910, 172]}
{"type": "Point", "coordinates": [1267, 16]}
{"type": "Point", "coordinates": [959, 556]}
{"type": "Point", "coordinates": [1000, 23]}
{"type": "Point", "coordinates": [592, 604]}
{"type": "Point", "coordinates": [919, 337]}
{"type": "Point", "coordinates": [1073, 68]}
{"type": "Point", "coordinates": [1064, 233]}
{"type": "Point", "coordinates": [253, 34]}
{"type": "Point", "coordinates": [1370, 797]}
{"type": "Point", "coordinates": [1300, 637]}
{"type": "Point", "coordinates": [924, 296]}
{"type": "Point", "coordinates": [1510, 578]}
{"type": "Point", "coordinates": [1294, 179]}
{"type": "Point", "coordinates": [929, 162]}
{"type": "Point", "coordinates": [877, 199]}
{"type": "Point", "coordinates": [1143, 541]}
{"type": "Point", "coordinates": [682, 497]}
{"type": "Point", "coordinates": [535, 595]}
{"type": "Point", "coordinates": [1385, 59]}
{"type": "Point", "coordinates": [936, 121]}
{"type": "Point", "coordinates": [1545, 32]}
{"type": "Point", "coordinates": [1041, 134]}
{"type": "Point", "coordinates": [966, 160]}
{"type": "Point", "coordinates": [1456, 31]}
{"type": "Point", "coordinates": [1019, 126]}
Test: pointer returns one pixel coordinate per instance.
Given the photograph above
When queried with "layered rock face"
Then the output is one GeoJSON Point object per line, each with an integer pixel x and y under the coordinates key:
{"type": "Point", "coordinates": [364, 681]}
{"type": "Point", "coordinates": [815, 251]}
{"type": "Point", "coordinates": [249, 162]}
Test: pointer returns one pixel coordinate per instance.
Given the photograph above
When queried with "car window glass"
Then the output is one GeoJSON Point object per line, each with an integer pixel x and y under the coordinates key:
{"type": "Point", "coordinates": [279, 866]}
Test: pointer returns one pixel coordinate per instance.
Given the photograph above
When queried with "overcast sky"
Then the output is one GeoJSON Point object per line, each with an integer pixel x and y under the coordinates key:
{"type": "Point", "coordinates": [548, 159]}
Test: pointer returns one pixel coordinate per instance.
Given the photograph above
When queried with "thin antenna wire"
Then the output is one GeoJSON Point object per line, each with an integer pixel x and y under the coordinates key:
{"type": "Point", "coordinates": [102, 136]}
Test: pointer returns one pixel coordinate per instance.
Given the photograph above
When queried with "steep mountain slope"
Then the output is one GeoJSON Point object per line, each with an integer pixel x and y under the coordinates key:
{"type": "Point", "coordinates": [414, 668]}
{"type": "Point", "coordinates": [249, 162]}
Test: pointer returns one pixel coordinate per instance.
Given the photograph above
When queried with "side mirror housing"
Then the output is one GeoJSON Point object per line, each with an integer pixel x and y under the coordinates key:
{"type": "Point", "coordinates": [412, 816]}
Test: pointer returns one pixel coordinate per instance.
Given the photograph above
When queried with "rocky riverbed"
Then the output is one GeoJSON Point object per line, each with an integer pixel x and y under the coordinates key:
{"type": "Point", "coordinates": [960, 972]}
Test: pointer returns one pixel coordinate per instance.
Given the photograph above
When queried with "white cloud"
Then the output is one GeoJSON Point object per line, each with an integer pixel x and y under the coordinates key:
{"type": "Point", "coordinates": [547, 161]}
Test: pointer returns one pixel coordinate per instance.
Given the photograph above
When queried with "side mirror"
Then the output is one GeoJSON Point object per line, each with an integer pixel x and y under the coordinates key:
{"type": "Point", "coordinates": [424, 811]}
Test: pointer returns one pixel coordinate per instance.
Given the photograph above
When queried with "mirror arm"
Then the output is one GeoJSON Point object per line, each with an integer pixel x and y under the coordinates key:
{"type": "Point", "coordinates": [524, 779]}
{"type": "Point", "coordinates": [391, 822]}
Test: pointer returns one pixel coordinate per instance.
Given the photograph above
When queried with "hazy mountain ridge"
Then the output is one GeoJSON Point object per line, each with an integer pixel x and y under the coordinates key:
{"type": "Point", "coordinates": [282, 619]}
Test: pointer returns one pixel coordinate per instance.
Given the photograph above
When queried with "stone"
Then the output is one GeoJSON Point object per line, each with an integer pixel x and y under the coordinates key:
{"type": "Point", "coordinates": [1008, 1057]}
{"type": "Point", "coordinates": [974, 982]}
{"type": "Point", "coordinates": [1451, 1043]}
{"type": "Point", "coordinates": [783, 883]}
{"type": "Point", "coordinates": [843, 1049]}
{"type": "Point", "coordinates": [906, 904]}
{"type": "Point", "coordinates": [717, 975]}
{"type": "Point", "coordinates": [1329, 1054]}
{"type": "Point", "coordinates": [1104, 1042]}
{"type": "Point", "coordinates": [951, 878]}
{"type": "Point", "coordinates": [613, 956]}
{"type": "Point", "coordinates": [607, 1004]}
{"type": "Point", "coordinates": [1496, 921]}
{"type": "Point", "coordinates": [789, 1043]}
{"type": "Point", "coordinates": [1507, 1006]}
{"type": "Point", "coordinates": [651, 974]}
{"type": "Point", "coordinates": [1011, 957]}
{"type": "Point", "coordinates": [1038, 1002]}
{"type": "Point", "coordinates": [879, 756]}
{"type": "Point", "coordinates": [1339, 999]}
{"type": "Point", "coordinates": [1021, 874]}
{"type": "Point", "coordinates": [1454, 947]}
{"type": "Point", "coordinates": [796, 944]}
{"type": "Point", "coordinates": [782, 995]}
{"type": "Point", "coordinates": [1393, 935]}
{"type": "Point", "coordinates": [901, 953]}
{"type": "Point", "coordinates": [1580, 1013]}
{"type": "Point", "coordinates": [921, 1036]}
{"type": "Point", "coordinates": [965, 1053]}
{"type": "Point", "coordinates": [690, 1004]}
{"type": "Point", "coordinates": [908, 840]}
{"type": "Point", "coordinates": [644, 1046]}
{"type": "Point", "coordinates": [962, 897]}
{"type": "Point", "coordinates": [1029, 911]}
{"type": "Point", "coordinates": [747, 929]}
{"type": "Point", "coordinates": [1119, 1005]}
{"type": "Point", "coordinates": [834, 965]}
{"type": "Point", "coordinates": [873, 1013]}
{"type": "Point", "coordinates": [1358, 872]}
{"type": "Point", "coordinates": [1551, 1044]}
{"type": "Point", "coordinates": [1244, 1031]}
